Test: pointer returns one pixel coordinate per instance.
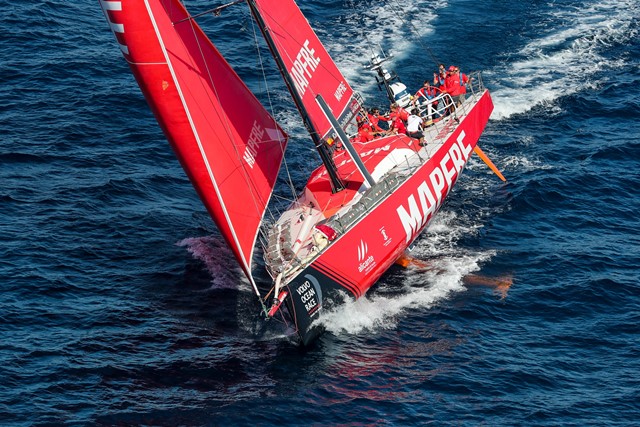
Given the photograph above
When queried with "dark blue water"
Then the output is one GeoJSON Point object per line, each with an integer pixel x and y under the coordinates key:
{"type": "Point", "coordinates": [121, 306]}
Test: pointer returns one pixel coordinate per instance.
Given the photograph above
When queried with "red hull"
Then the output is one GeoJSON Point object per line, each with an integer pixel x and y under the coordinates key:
{"type": "Point", "coordinates": [357, 259]}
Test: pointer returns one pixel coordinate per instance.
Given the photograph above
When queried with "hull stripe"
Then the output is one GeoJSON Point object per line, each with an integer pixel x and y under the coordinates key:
{"type": "Point", "coordinates": [338, 278]}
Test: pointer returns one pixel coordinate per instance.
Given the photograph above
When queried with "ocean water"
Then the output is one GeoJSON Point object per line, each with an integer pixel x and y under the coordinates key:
{"type": "Point", "coordinates": [120, 304]}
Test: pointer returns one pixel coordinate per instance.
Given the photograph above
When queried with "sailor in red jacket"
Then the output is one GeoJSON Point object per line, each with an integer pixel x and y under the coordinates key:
{"type": "Point", "coordinates": [365, 133]}
{"type": "Point", "coordinates": [374, 119]}
{"type": "Point", "coordinates": [397, 111]}
{"type": "Point", "coordinates": [439, 77]}
{"type": "Point", "coordinates": [455, 85]}
{"type": "Point", "coordinates": [425, 97]}
{"type": "Point", "coordinates": [397, 125]}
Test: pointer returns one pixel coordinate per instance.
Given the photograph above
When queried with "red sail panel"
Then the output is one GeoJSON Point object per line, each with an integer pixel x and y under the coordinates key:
{"type": "Point", "coordinates": [308, 63]}
{"type": "Point", "coordinates": [228, 144]}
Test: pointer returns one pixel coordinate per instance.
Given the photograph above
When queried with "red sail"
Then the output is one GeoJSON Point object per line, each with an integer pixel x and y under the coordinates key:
{"type": "Point", "coordinates": [308, 63]}
{"type": "Point", "coordinates": [228, 144]}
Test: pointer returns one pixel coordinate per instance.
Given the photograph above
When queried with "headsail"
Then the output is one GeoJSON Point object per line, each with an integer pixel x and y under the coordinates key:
{"type": "Point", "coordinates": [309, 64]}
{"type": "Point", "coordinates": [229, 145]}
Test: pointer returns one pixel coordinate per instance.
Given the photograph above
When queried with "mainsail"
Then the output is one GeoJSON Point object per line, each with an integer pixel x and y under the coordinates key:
{"type": "Point", "coordinates": [229, 145]}
{"type": "Point", "coordinates": [308, 63]}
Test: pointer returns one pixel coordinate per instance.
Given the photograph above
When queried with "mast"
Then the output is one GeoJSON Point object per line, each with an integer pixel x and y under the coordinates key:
{"type": "Point", "coordinates": [345, 141]}
{"type": "Point", "coordinates": [323, 151]}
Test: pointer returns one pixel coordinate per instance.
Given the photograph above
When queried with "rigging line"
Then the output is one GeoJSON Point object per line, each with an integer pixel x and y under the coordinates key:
{"type": "Point", "coordinates": [263, 230]}
{"type": "Point", "coordinates": [271, 108]}
{"type": "Point", "coordinates": [416, 32]}
{"type": "Point", "coordinates": [216, 11]}
{"type": "Point", "coordinates": [228, 126]}
{"type": "Point", "coordinates": [224, 118]}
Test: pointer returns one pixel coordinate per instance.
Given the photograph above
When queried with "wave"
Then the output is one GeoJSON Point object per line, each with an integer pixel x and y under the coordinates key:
{"type": "Point", "coordinates": [217, 259]}
{"type": "Point", "coordinates": [568, 58]}
{"type": "Point", "coordinates": [375, 25]}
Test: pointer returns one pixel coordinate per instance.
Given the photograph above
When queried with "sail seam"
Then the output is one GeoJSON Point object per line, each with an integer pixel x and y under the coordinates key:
{"type": "Point", "coordinates": [337, 277]}
{"type": "Point", "coordinates": [199, 142]}
{"type": "Point", "coordinates": [254, 191]}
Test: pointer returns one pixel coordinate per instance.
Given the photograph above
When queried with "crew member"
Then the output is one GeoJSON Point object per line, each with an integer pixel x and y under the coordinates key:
{"type": "Point", "coordinates": [426, 95]}
{"type": "Point", "coordinates": [414, 127]}
{"type": "Point", "coordinates": [397, 111]}
{"type": "Point", "coordinates": [375, 120]}
{"type": "Point", "coordinates": [365, 132]}
{"type": "Point", "coordinates": [440, 76]}
{"type": "Point", "coordinates": [455, 85]}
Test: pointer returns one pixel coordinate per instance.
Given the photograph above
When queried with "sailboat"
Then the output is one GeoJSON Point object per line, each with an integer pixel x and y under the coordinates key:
{"type": "Point", "coordinates": [360, 209]}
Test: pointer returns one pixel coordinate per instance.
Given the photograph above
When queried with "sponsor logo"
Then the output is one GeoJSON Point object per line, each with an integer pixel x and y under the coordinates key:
{"type": "Point", "coordinates": [387, 239]}
{"type": "Point", "coordinates": [310, 294]}
{"type": "Point", "coordinates": [303, 68]}
{"type": "Point", "coordinates": [251, 150]}
{"type": "Point", "coordinates": [342, 88]}
{"type": "Point", "coordinates": [366, 261]}
{"type": "Point", "coordinates": [441, 178]}
{"type": "Point", "coordinates": [363, 248]}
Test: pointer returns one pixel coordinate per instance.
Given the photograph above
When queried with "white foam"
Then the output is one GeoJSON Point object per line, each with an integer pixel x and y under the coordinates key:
{"type": "Point", "coordinates": [388, 25]}
{"type": "Point", "coordinates": [420, 288]}
{"type": "Point", "coordinates": [524, 164]}
{"type": "Point", "coordinates": [566, 59]}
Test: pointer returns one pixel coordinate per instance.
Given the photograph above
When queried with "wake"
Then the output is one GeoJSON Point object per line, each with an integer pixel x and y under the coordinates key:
{"type": "Point", "coordinates": [567, 59]}
{"type": "Point", "coordinates": [419, 288]}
